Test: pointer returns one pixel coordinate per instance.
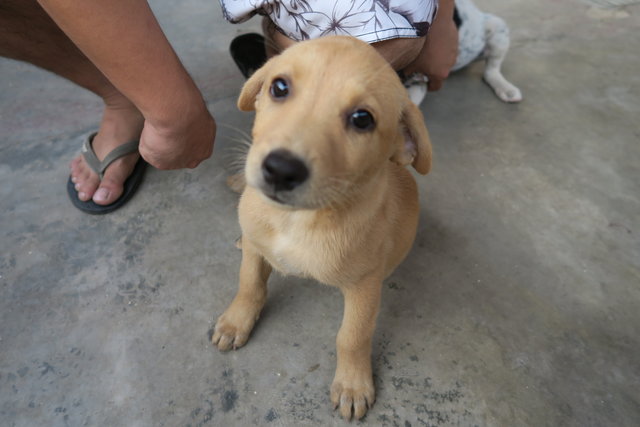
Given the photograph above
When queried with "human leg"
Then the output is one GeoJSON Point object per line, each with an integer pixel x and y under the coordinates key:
{"type": "Point", "coordinates": [399, 52]}
{"type": "Point", "coordinates": [28, 34]}
{"type": "Point", "coordinates": [439, 51]}
{"type": "Point", "coordinates": [426, 58]}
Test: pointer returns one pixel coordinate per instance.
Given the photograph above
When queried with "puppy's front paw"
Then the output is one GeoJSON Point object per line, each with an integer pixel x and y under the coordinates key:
{"type": "Point", "coordinates": [234, 326]}
{"type": "Point", "coordinates": [353, 393]}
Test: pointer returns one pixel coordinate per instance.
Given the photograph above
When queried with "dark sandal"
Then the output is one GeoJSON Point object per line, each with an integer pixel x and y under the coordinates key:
{"type": "Point", "coordinates": [249, 53]}
{"type": "Point", "coordinates": [130, 185]}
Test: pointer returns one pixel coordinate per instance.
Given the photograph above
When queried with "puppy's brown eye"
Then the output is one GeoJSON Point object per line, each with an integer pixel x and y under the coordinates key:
{"type": "Point", "coordinates": [362, 120]}
{"type": "Point", "coordinates": [279, 88]}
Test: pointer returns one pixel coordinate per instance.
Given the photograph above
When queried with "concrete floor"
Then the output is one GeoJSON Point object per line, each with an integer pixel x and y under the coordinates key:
{"type": "Point", "coordinates": [519, 304]}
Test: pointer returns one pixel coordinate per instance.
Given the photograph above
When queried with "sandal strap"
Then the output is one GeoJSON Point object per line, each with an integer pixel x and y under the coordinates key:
{"type": "Point", "coordinates": [100, 166]}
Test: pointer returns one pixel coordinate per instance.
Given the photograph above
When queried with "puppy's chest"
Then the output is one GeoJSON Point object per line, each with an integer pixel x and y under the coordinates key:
{"type": "Point", "coordinates": [297, 250]}
{"type": "Point", "coordinates": [291, 254]}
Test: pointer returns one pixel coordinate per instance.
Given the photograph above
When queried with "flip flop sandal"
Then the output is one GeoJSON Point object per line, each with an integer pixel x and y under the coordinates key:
{"type": "Point", "coordinates": [130, 185]}
{"type": "Point", "coordinates": [249, 53]}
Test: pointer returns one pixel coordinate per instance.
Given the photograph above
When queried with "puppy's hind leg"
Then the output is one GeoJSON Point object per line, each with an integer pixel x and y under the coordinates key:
{"type": "Point", "coordinates": [497, 34]}
{"type": "Point", "coordinates": [234, 326]}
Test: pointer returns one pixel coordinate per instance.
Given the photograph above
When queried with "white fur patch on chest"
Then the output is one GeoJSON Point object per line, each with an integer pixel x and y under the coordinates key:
{"type": "Point", "coordinates": [286, 257]}
{"type": "Point", "coordinates": [298, 251]}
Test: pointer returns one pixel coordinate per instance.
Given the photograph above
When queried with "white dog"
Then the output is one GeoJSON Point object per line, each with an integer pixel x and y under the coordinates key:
{"type": "Point", "coordinates": [480, 36]}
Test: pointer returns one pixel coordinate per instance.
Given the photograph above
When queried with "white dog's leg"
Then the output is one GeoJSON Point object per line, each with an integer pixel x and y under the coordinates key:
{"type": "Point", "coordinates": [497, 34]}
{"type": "Point", "coordinates": [416, 85]}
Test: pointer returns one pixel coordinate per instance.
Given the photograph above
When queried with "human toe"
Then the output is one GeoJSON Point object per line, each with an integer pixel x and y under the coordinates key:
{"type": "Point", "coordinates": [86, 188]}
{"type": "Point", "coordinates": [80, 172]}
{"type": "Point", "coordinates": [112, 183]}
{"type": "Point", "coordinates": [108, 191]}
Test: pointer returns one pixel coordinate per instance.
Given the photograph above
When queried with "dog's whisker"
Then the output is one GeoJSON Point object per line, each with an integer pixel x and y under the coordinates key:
{"type": "Point", "coordinates": [235, 163]}
{"type": "Point", "coordinates": [234, 168]}
{"type": "Point", "coordinates": [242, 132]}
{"type": "Point", "coordinates": [241, 137]}
{"type": "Point", "coordinates": [241, 150]}
{"type": "Point", "coordinates": [237, 154]}
{"type": "Point", "coordinates": [238, 151]}
{"type": "Point", "coordinates": [334, 191]}
{"type": "Point", "coordinates": [236, 157]}
{"type": "Point", "coordinates": [239, 144]}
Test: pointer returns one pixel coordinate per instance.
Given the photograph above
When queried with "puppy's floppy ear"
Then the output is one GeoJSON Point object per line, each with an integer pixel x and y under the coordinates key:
{"type": "Point", "coordinates": [415, 146]}
{"type": "Point", "coordinates": [251, 89]}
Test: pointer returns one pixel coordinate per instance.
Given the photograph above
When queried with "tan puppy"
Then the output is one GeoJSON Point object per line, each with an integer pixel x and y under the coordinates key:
{"type": "Point", "coordinates": [327, 192]}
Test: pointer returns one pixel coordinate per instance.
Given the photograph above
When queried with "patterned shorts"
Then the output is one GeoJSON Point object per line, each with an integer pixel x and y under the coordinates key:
{"type": "Point", "coordinates": [369, 20]}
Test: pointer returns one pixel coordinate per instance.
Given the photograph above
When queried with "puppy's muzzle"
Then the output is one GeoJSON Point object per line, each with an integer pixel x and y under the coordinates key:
{"type": "Point", "coordinates": [283, 171]}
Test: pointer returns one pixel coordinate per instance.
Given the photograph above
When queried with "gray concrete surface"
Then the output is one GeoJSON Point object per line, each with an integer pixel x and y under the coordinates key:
{"type": "Point", "coordinates": [518, 306]}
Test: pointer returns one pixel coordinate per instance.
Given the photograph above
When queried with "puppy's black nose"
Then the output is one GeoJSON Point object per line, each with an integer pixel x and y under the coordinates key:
{"type": "Point", "coordinates": [284, 171]}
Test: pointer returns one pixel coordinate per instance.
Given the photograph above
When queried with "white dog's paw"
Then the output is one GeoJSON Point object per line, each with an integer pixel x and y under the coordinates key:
{"type": "Point", "coordinates": [511, 94]}
{"type": "Point", "coordinates": [416, 85]}
{"type": "Point", "coordinates": [502, 88]}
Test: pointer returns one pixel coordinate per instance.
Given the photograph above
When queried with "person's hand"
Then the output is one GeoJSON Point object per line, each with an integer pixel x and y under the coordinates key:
{"type": "Point", "coordinates": [440, 50]}
{"type": "Point", "coordinates": [186, 143]}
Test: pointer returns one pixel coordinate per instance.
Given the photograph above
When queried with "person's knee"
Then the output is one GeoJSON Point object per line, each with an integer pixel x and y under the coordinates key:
{"type": "Point", "coordinates": [400, 52]}
{"type": "Point", "coordinates": [275, 41]}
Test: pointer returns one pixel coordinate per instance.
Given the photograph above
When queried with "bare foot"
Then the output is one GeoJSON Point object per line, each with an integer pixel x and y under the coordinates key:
{"type": "Point", "coordinates": [121, 122]}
